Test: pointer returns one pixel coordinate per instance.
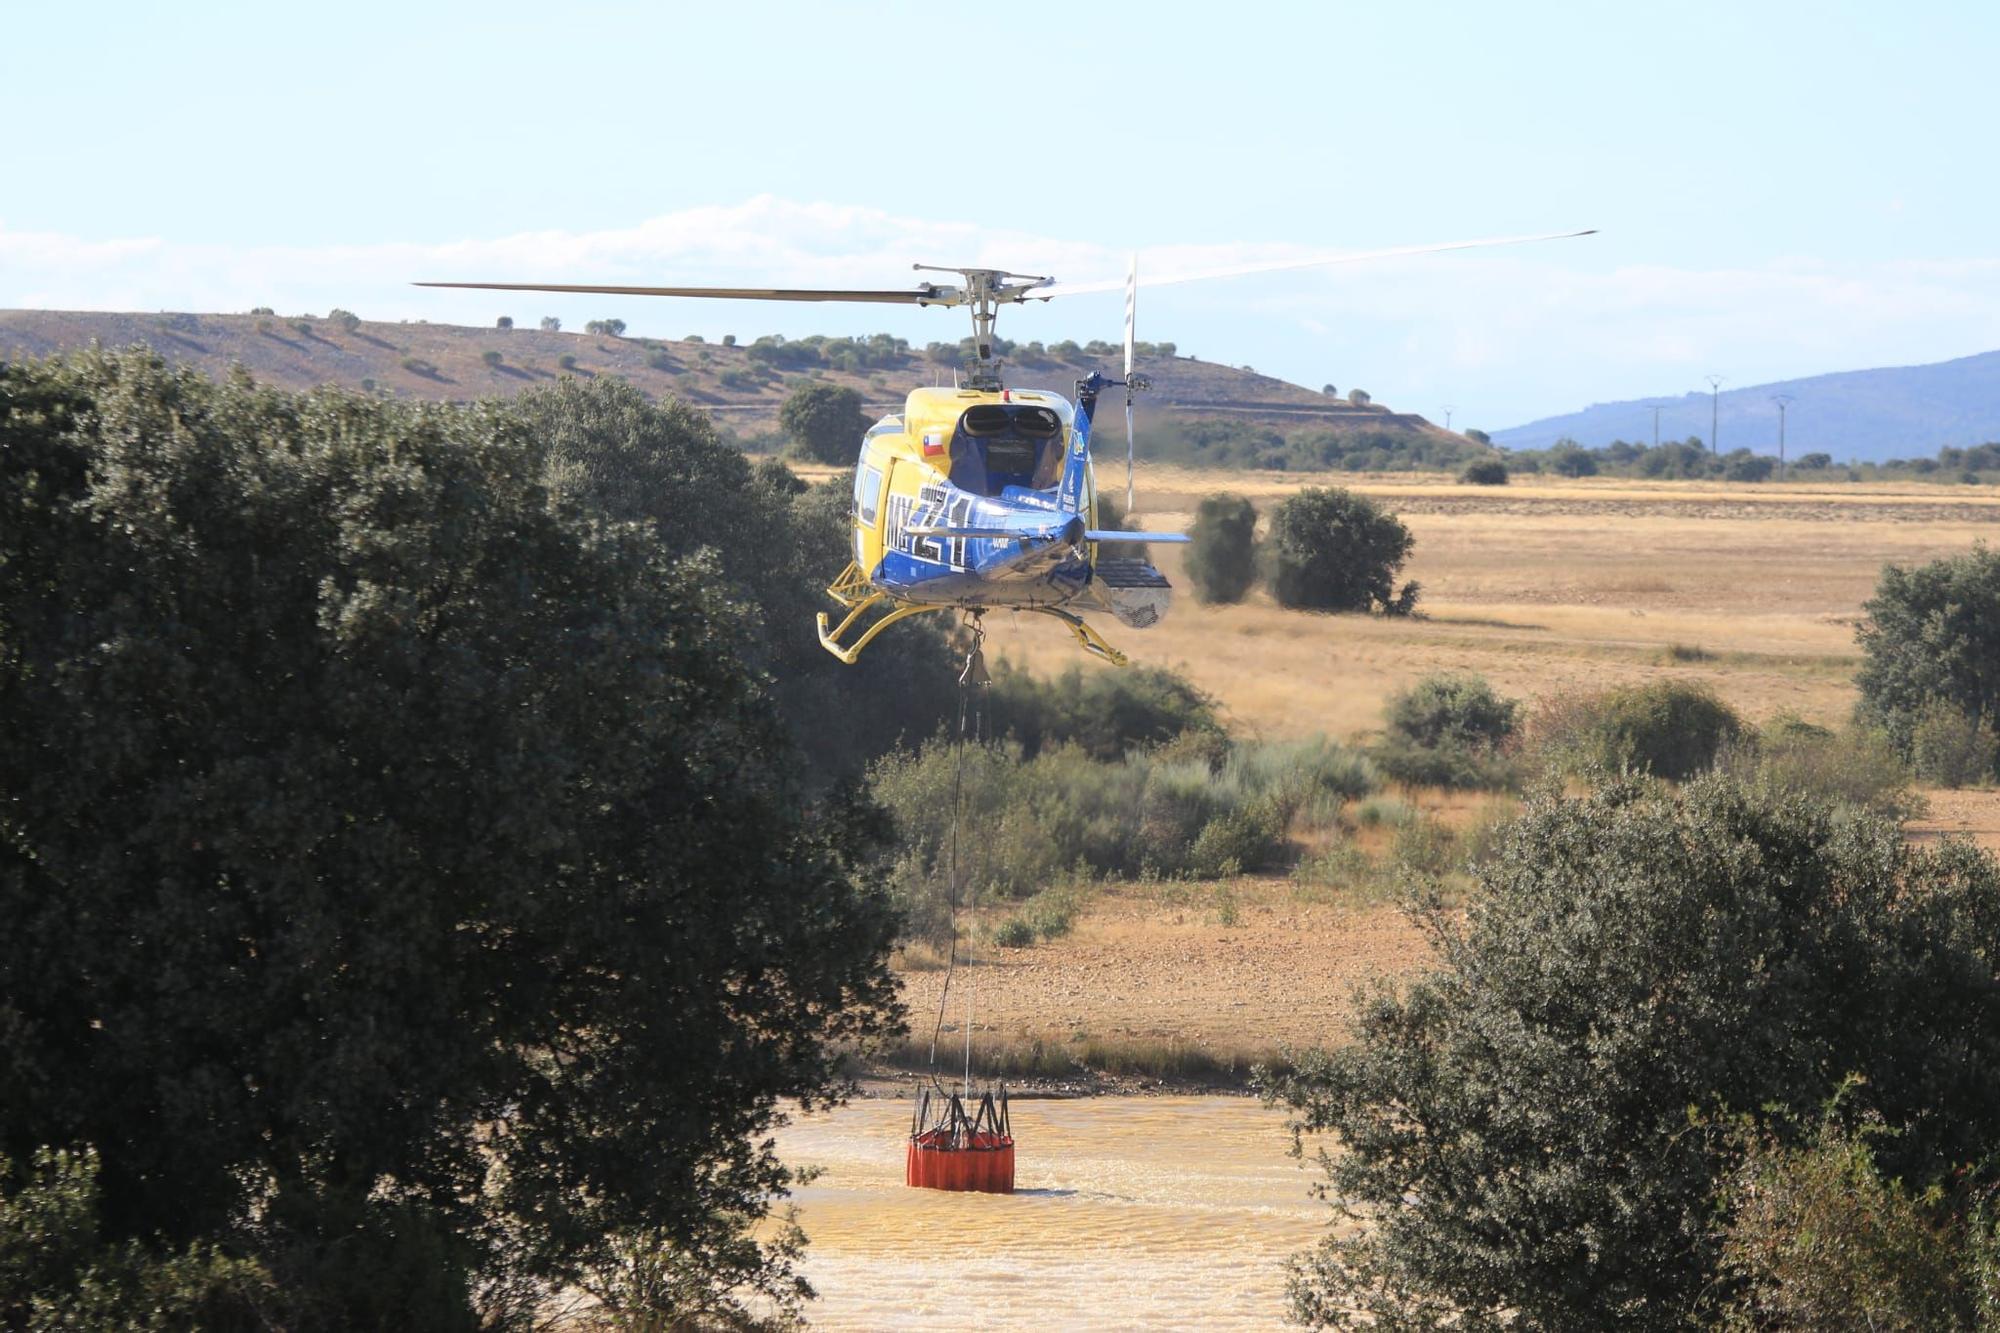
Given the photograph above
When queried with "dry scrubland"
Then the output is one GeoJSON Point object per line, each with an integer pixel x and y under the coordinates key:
{"type": "Point", "coordinates": [1544, 587]}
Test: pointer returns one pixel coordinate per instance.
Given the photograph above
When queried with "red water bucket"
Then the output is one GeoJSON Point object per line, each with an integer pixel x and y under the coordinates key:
{"type": "Point", "coordinates": [953, 1149]}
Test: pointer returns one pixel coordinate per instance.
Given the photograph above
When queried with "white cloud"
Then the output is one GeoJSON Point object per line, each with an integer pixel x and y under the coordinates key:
{"type": "Point", "coordinates": [1506, 334]}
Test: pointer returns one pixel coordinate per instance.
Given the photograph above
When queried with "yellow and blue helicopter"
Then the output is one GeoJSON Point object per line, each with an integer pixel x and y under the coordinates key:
{"type": "Point", "coordinates": [979, 496]}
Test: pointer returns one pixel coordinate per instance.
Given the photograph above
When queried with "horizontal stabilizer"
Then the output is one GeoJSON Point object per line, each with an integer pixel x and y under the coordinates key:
{"type": "Point", "coordinates": [994, 534]}
{"type": "Point", "coordinates": [1121, 536]}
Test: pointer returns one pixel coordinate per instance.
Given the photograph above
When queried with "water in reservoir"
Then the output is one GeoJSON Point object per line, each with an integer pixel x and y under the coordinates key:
{"type": "Point", "coordinates": [1131, 1212]}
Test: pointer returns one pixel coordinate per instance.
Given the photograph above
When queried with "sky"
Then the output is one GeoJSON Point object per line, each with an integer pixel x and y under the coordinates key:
{"type": "Point", "coordinates": [1780, 189]}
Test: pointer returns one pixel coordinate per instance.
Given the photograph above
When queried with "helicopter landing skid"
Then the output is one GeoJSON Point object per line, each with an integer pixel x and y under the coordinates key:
{"type": "Point", "coordinates": [1092, 642]}
{"type": "Point", "coordinates": [829, 639]}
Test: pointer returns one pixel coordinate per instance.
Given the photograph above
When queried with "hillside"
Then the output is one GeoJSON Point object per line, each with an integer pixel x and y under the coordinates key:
{"type": "Point", "coordinates": [443, 361]}
{"type": "Point", "coordinates": [1867, 416]}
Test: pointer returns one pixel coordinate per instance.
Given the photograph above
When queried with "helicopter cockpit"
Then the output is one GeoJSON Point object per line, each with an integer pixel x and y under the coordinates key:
{"type": "Point", "coordinates": [999, 445]}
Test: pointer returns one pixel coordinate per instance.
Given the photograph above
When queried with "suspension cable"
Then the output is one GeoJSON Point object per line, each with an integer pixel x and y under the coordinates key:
{"type": "Point", "coordinates": [970, 679]}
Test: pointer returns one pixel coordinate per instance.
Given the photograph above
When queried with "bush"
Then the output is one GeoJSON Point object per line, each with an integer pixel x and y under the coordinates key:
{"type": "Point", "coordinates": [1333, 550]}
{"type": "Point", "coordinates": [1668, 729]}
{"type": "Point", "coordinates": [1026, 824]}
{"type": "Point", "coordinates": [1107, 713]}
{"type": "Point", "coordinates": [550, 324]}
{"type": "Point", "coordinates": [1222, 550]}
{"type": "Point", "coordinates": [416, 365]}
{"type": "Point", "coordinates": [504, 322]}
{"type": "Point", "coordinates": [1818, 1238]}
{"type": "Point", "coordinates": [57, 1271]}
{"type": "Point", "coordinates": [492, 357]}
{"type": "Point", "coordinates": [825, 423]}
{"type": "Point", "coordinates": [660, 359]}
{"type": "Point", "coordinates": [1932, 635]}
{"type": "Point", "coordinates": [1485, 472]}
{"type": "Point", "coordinates": [1950, 748]}
{"type": "Point", "coordinates": [1527, 1134]}
{"type": "Point", "coordinates": [344, 320]}
{"type": "Point", "coordinates": [567, 361]}
{"type": "Point", "coordinates": [609, 328]}
{"type": "Point", "coordinates": [1857, 767]}
{"type": "Point", "coordinates": [1447, 731]}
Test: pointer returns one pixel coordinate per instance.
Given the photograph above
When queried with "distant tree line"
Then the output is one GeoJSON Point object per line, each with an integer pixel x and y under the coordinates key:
{"type": "Point", "coordinates": [1690, 459]}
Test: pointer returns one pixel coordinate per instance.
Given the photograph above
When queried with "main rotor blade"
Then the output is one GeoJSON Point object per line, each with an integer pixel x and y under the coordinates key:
{"type": "Point", "coordinates": [919, 296]}
{"type": "Point", "coordinates": [1280, 265]}
{"type": "Point", "coordinates": [1131, 335]}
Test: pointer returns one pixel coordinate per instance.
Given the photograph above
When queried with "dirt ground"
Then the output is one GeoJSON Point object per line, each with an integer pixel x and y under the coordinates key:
{"type": "Point", "coordinates": [1545, 588]}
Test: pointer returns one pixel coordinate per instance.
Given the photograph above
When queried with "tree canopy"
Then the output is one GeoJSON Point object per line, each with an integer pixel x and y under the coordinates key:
{"type": "Point", "coordinates": [825, 423]}
{"type": "Point", "coordinates": [1932, 637]}
{"type": "Point", "coordinates": [1536, 1134]}
{"type": "Point", "coordinates": [1333, 550]}
{"type": "Point", "coordinates": [408, 885]}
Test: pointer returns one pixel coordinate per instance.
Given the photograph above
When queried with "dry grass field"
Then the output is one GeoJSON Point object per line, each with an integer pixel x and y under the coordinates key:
{"type": "Point", "coordinates": [1546, 588]}
{"type": "Point", "coordinates": [1552, 588]}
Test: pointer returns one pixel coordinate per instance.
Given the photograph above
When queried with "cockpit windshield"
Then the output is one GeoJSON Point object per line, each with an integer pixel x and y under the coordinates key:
{"type": "Point", "coordinates": [1000, 445]}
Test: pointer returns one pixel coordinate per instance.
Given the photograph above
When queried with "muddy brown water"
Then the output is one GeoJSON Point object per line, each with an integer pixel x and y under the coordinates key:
{"type": "Point", "coordinates": [1130, 1212]}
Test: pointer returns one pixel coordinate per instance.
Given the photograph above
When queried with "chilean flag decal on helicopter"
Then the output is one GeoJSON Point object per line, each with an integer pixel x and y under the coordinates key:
{"type": "Point", "coordinates": [936, 443]}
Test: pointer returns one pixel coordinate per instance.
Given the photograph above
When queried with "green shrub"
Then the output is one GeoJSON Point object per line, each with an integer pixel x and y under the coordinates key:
{"type": "Point", "coordinates": [492, 357]}
{"type": "Point", "coordinates": [1236, 840]}
{"type": "Point", "coordinates": [1669, 729]}
{"type": "Point", "coordinates": [1521, 1133]}
{"type": "Point", "coordinates": [344, 320]}
{"type": "Point", "coordinates": [1818, 1238]}
{"type": "Point", "coordinates": [1447, 731]}
{"type": "Point", "coordinates": [58, 1270]}
{"type": "Point", "coordinates": [1950, 748]}
{"type": "Point", "coordinates": [1108, 713]}
{"type": "Point", "coordinates": [1932, 634]}
{"type": "Point", "coordinates": [1014, 933]}
{"type": "Point", "coordinates": [1332, 550]}
{"type": "Point", "coordinates": [606, 328]}
{"type": "Point", "coordinates": [416, 365]}
{"type": "Point", "coordinates": [567, 361]}
{"type": "Point", "coordinates": [1485, 472]}
{"type": "Point", "coordinates": [1222, 549]}
{"type": "Point", "coordinates": [659, 359]}
{"type": "Point", "coordinates": [1857, 767]}
{"type": "Point", "coordinates": [504, 322]}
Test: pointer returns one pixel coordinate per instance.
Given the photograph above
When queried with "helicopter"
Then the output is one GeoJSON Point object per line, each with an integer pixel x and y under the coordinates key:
{"type": "Point", "coordinates": [979, 496]}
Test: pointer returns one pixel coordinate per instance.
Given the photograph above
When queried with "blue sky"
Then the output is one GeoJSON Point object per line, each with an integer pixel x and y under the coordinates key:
{"type": "Point", "coordinates": [1782, 189]}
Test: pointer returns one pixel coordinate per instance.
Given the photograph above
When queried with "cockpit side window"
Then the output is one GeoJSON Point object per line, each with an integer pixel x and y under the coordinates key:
{"type": "Point", "coordinates": [867, 495]}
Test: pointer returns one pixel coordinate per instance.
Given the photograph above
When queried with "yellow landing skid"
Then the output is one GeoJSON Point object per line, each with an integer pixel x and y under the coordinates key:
{"type": "Point", "coordinates": [830, 639]}
{"type": "Point", "coordinates": [1093, 642]}
{"type": "Point", "coordinates": [853, 591]}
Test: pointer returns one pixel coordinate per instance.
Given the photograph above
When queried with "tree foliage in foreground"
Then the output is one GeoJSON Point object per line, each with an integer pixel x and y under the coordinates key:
{"type": "Point", "coordinates": [407, 893]}
{"type": "Point", "coordinates": [1333, 550]}
{"type": "Point", "coordinates": [1530, 1132]}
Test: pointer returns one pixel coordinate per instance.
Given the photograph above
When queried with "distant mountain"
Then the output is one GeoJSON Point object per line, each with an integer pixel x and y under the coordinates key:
{"type": "Point", "coordinates": [1856, 415]}
{"type": "Point", "coordinates": [445, 361]}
